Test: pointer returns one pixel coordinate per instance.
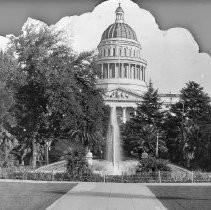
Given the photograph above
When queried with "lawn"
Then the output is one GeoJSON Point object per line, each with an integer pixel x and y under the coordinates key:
{"type": "Point", "coordinates": [183, 197]}
{"type": "Point", "coordinates": [31, 196]}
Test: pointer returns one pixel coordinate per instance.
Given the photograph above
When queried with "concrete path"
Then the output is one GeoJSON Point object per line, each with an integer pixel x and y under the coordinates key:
{"type": "Point", "coordinates": [108, 196]}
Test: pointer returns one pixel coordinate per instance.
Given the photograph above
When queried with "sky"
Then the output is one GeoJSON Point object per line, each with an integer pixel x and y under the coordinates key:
{"type": "Point", "coordinates": [194, 15]}
{"type": "Point", "coordinates": [175, 55]}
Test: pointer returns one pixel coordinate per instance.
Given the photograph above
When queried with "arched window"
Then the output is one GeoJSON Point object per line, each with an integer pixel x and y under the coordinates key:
{"type": "Point", "coordinates": [114, 53]}
{"type": "Point", "coordinates": [120, 52]}
{"type": "Point", "coordinates": [125, 52]}
{"type": "Point", "coordinates": [104, 52]}
{"type": "Point", "coordinates": [130, 52]}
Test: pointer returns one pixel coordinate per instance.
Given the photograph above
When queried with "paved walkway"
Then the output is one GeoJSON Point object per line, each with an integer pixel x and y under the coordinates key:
{"type": "Point", "coordinates": [108, 196]}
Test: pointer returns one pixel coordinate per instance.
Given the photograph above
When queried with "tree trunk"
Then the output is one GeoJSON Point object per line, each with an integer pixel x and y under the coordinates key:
{"type": "Point", "coordinates": [46, 154]}
{"type": "Point", "coordinates": [210, 144]}
{"type": "Point", "coordinates": [34, 154]}
{"type": "Point", "coordinates": [188, 163]}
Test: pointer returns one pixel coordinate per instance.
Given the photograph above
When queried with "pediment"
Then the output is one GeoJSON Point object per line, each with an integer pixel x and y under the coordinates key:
{"type": "Point", "coordinates": [120, 94]}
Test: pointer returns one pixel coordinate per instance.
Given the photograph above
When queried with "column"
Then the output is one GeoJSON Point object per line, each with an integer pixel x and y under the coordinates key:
{"type": "Point", "coordinates": [124, 115]}
{"type": "Point", "coordinates": [108, 70]}
{"type": "Point", "coordinates": [104, 71]}
{"type": "Point", "coordinates": [125, 70]}
{"type": "Point", "coordinates": [128, 73]}
{"type": "Point", "coordinates": [102, 75]}
{"type": "Point", "coordinates": [130, 70]}
{"type": "Point", "coordinates": [120, 70]}
{"type": "Point", "coordinates": [144, 74]}
{"type": "Point", "coordinates": [115, 70]}
{"type": "Point", "coordinates": [139, 73]}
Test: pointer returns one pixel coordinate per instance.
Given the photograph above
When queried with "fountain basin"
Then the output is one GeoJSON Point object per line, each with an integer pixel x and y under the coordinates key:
{"type": "Point", "coordinates": [104, 167]}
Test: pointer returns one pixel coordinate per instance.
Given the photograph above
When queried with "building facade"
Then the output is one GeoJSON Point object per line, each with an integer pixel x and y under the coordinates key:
{"type": "Point", "coordinates": [123, 68]}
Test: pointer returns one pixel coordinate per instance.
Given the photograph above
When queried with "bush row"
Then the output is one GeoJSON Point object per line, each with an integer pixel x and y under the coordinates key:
{"type": "Point", "coordinates": [146, 177]}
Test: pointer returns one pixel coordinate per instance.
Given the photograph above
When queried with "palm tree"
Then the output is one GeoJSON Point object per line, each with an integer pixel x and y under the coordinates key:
{"type": "Point", "coordinates": [147, 140]}
{"type": "Point", "coordinates": [89, 140]}
{"type": "Point", "coordinates": [188, 138]}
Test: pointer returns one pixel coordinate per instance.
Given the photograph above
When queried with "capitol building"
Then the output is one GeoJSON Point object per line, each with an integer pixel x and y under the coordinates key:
{"type": "Point", "coordinates": [123, 69]}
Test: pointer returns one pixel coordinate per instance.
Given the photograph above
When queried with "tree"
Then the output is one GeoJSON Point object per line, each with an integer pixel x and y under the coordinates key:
{"type": "Point", "coordinates": [150, 110]}
{"type": "Point", "coordinates": [42, 69]}
{"type": "Point", "coordinates": [55, 92]}
{"type": "Point", "coordinates": [7, 67]}
{"type": "Point", "coordinates": [140, 132]}
{"type": "Point", "coordinates": [187, 125]}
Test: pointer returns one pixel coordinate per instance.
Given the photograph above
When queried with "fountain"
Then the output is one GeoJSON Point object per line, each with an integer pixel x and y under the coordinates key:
{"type": "Point", "coordinates": [114, 165]}
{"type": "Point", "coordinates": [113, 150]}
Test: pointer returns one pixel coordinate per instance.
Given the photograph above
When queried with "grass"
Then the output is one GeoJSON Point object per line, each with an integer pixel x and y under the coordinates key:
{"type": "Point", "coordinates": [183, 197]}
{"type": "Point", "coordinates": [31, 196]}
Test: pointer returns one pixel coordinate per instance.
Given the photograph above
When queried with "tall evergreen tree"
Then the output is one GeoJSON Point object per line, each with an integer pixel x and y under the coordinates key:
{"type": "Point", "coordinates": [188, 124]}
{"type": "Point", "coordinates": [142, 129]}
{"type": "Point", "coordinates": [150, 110]}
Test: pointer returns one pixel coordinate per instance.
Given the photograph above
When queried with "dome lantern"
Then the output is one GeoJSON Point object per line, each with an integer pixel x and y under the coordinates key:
{"type": "Point", "coordinates": [119, 29]}
{"type": "Point", "coordinates": [119, 14]}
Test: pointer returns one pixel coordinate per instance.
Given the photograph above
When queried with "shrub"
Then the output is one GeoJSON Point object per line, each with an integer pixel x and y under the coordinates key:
{"type": "Point", "coordinates": [77, 166]}
{"type": "Point", "coordinates": [152, 164]}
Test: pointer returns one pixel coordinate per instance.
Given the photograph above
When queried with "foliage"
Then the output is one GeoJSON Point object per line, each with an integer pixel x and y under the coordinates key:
{"type": "Point", "coordinates": [54, 92]}
{"type": "Point", "coordinates": [142, 177]}
{"type": "Point", "coordinates": [188, 126]}
{"type": "Point", "coordinates": [150, 110]}
{"type": "Point", "coordinates": [7, 67]}
{"type": "Point", "coordinates": [152, 164]}
{"type": "Point", "coordinates": [91, 130]}
{"type": "Point", "coordinates": [77, 166]}
{"type": "Point", "coordinates": [7, 143]}
{"type": "Point", "coordinates": [140, 132]}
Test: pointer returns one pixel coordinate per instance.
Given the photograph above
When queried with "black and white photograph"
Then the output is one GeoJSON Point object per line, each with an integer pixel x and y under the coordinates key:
{"type": "Point", "coordinates": [105, 104]}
